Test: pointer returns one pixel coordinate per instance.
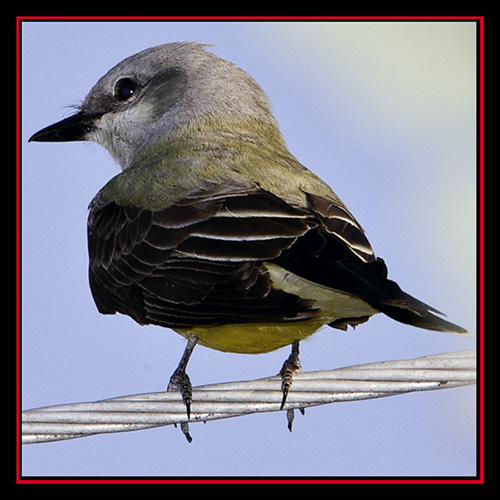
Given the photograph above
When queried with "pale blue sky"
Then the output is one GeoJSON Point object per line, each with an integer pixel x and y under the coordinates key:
{"type": "Point", "coordinates": [385, 113]}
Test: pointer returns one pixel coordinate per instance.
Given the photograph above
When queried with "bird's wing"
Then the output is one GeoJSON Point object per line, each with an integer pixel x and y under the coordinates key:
{"type": "Point", "coordinates": [337, 255]}
{"type": "Point", "coordinates": [201, 262]}
{"type": "Point", "coordinates": [198, 262]}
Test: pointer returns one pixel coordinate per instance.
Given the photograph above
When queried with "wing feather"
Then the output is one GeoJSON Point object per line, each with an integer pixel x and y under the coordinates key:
{"type": "Point", "coordinates": [201, 262]}
{"type": "Point", "coordinates": [197, 262]}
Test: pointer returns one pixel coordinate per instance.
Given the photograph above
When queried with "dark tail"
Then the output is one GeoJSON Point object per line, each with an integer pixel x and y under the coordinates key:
{"type": "Point", "coordinates": [413, 312]}
{"type": "Point", "coordinates": [386, 296]}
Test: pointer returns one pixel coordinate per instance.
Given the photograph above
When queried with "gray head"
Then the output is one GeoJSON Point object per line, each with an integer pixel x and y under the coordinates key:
{"type": "Point", "coordinates": [151, 93]}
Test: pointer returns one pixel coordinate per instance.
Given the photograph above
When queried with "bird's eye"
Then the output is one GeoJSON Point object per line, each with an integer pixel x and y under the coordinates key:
{"type": "Point", "coordinates": [125, 88]}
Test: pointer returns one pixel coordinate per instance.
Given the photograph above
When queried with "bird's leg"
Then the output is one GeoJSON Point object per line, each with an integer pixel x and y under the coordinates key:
{"type": "Point", "coordinates": [290, 366]}
{"type": "Point", "coordinates": [180, 380]}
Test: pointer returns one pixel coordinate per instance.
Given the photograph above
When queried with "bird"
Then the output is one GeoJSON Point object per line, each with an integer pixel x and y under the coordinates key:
{"type": "Point", "coordinates": [213, 229]}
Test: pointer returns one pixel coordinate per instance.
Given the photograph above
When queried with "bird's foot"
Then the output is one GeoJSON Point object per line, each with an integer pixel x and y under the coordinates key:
{"type": "Point", "coordinates": [290, 366]}
{"type": "Point", "coordinates": [179, 381]}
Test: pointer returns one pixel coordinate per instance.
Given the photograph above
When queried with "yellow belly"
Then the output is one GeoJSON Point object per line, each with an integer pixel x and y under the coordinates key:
{"type": "Point", "coordinates": [256, 338]}
{"type": "Point", "coordinates": [253, 338]}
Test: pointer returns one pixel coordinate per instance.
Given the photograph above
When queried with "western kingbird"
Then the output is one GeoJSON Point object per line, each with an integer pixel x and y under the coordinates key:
{"type": "Point", "coordinates": [213, 228]}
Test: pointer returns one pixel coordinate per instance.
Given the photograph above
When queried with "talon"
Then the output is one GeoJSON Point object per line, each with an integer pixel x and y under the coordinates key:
{"type": "Point", "coordinates": [180, 380]}
{"type": "Point", "coordinates": [286, 384]}
{"type": "Point", "coordinates": [185, 431]}
{"type": "Point", "coordinates": [290, 366]}
{"type": "Point", "coordinates": [290, 414]}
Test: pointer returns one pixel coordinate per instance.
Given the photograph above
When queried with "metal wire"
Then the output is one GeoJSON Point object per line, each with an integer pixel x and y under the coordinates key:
{"type": "Point", "coordinates": [211, 402]}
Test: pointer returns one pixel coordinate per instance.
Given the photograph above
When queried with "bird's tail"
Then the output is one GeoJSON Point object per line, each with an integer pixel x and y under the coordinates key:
{"type": "Point", "coordinates": [370, 283]}
{"type": "Point", "coordinates": [413, 312]}
{"type": "Point", "coordinates": [386, 296]}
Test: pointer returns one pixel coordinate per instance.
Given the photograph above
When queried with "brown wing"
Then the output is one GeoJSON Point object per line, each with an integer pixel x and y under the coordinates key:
{"type": "Point", "coordinates": [195, 263]}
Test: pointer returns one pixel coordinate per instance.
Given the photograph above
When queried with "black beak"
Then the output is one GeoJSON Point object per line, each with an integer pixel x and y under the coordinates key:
{"type": "Point", "coordinates": [73, 128]}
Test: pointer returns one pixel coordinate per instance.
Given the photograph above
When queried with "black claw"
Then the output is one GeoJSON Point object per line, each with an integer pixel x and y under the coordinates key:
{"type": "Point", "coordinates": [290, 366]}
{"type": "Point", "coordinates": [185, 431]}
{"type": "Point", "coordinates": [286, 384]}
{"type": "Point", "coordinates": [179, 381]}
{"type": "Point", "coordinates": [290, 416]}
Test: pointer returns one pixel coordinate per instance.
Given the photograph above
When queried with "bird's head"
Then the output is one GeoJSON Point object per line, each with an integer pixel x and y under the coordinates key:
{"type": "Point", "coordinates": [154, 92]}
